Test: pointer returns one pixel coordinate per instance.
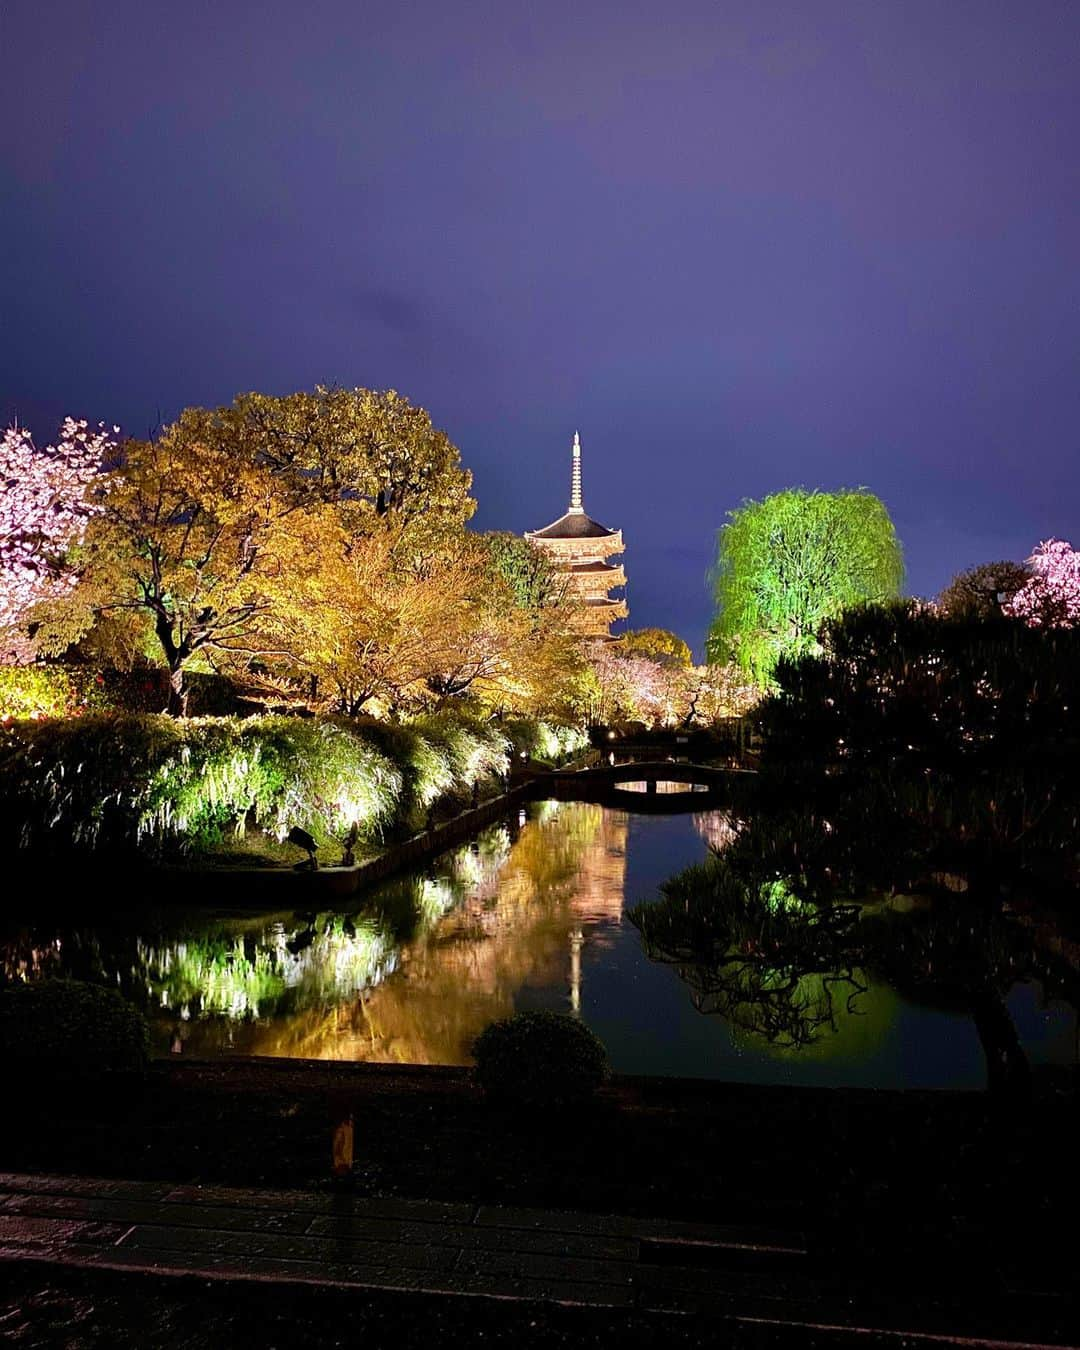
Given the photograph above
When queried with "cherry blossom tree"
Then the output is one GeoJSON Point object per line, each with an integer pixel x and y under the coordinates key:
{"type": "Point", "coordinates": [1051, 598]}
{"type": "Point", "coordinates": [44, 507]}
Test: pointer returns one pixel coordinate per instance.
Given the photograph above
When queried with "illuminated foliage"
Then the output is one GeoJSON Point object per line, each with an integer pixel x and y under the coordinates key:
{"type": "Point", "coordinates": [47, 691]}
{"type": "Point", "coordinates": [533, 582]}
{"type": "Point", "coordinates": [371, 453]}
{"type": "Point", "coordinates": [374, 623]}
{"type": "Point", "coordinates": [157, 782]}
{"type": "Point", "coordinates": [620, 687]}
{"type": "Point", "coordinates": [187, 540]}
{"type": "Point", "coordinates": [787, 563]}
{"type": "Point", "coordinates": [44, 507]}
{"type": "Point", "coordinates": [658, 644]}
{"type": "Point", "coordinates": [1050, 598]}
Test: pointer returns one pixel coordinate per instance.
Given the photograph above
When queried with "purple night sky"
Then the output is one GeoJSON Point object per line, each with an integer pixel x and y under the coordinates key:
{"type": "Point", "coordinates": [739, 245]}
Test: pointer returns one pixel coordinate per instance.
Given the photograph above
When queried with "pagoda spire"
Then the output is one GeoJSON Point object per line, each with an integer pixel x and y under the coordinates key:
{"type": "Point", "coordinates": [576, 507]}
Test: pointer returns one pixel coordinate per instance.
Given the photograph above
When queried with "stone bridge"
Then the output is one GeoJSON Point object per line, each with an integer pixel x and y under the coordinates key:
{"type": "Point", "coordinates": [706, 787]}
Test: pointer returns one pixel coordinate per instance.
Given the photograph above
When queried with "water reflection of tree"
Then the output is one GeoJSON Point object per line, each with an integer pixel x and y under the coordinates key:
{"type": "Point", "coordinates": [789, 971]}
{"type": "Point", "coordinates": [769, 963]}
{"type": "Point", "coordinates": [967, 957]}
{"type": "Point", "coordinates": [565, 871]}
{"type": "Point", "coordinates": [460, 942]}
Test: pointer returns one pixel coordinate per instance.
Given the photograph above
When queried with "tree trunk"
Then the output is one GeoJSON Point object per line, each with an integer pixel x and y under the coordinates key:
{"type": "Point", "coordinates": [1008, 1073]}
{"type": "Point", "coordinates": [178, 693]}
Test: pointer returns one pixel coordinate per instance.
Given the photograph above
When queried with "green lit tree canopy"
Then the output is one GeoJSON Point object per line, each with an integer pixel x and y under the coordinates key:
{"type": "Point", "coordinates": [533, 581]}
{"type": "Point", "coordinates": [786, 564]}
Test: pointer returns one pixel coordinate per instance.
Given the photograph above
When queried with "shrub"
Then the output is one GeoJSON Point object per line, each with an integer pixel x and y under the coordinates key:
{"type": "Point", "coordinates": [122, 782]}
{"type": "Point", "coordinates": [154, 782]}
{"type": "Point", "coordinates": [473, 749]}
{"type": "Point", "coordinates": [539, 1058]}
{"type": "Point", "coordinates": [60, 1029]}
{"type": "Point", "coordinates": [550, 742]}
{"type": "Point", "coordinates": [48, 691]}
{"type": "Point", "coordinates": [59, 690]}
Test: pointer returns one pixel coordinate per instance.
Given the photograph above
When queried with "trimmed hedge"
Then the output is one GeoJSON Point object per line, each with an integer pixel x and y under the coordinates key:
{"type": "Point", "coordinates": [538, 1059]}
{"type": "Point", "coordinates": [63, 1029]}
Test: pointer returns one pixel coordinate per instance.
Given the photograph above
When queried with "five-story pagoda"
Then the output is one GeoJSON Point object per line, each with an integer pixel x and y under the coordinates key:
{"type": "Point", "coordinates": [580, 546]}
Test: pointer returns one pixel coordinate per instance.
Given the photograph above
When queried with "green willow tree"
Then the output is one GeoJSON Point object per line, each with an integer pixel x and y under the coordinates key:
{"type": "Point", "coordinates": [789, 562]}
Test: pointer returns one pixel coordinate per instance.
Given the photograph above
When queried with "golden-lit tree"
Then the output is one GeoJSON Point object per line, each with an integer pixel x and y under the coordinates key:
{"type": "Point", "coordinates": [370, 452]}
{"type": "Point", "coordinates": [659, 644]}
{"type": "Point", "coordinates": [380, 621]}
{"type": "Point", "coordinates": [186, 541]}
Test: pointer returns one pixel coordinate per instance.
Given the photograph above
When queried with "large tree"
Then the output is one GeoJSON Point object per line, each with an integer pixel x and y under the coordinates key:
{"type": "Point", "coordinates": [789, 562]}
{"type": "Point", "coordinates": [369, 451]}
{"type": "Point", "coordinates": [188, 537]}
{"type": "Point", "coordinates": [281, 536]}
{"type": "Point", "coordinates": [376, 622]}
{"type": "Point", "coordinates": [983, 592]}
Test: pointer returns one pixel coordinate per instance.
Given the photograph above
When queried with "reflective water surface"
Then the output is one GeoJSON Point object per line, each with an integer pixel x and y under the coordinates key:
{"type": "Point", "coordinates": [530, 916]}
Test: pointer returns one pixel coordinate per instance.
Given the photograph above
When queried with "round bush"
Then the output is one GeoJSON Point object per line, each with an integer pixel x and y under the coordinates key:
{"type": "Point", "coordinates": [538, 1058]}
{"type": "Point", "coordinates": [65, 1028]}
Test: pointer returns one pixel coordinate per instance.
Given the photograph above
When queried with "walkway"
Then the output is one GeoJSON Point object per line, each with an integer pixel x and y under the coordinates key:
{"type": "Point", "coordinates": [462, 1249]}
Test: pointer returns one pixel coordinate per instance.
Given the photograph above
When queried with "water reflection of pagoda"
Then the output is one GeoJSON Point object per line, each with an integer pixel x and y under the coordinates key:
{"type": "Point", "coordinates": [560, 889]}
{"type": "Point", "coordinates": [580, 547]}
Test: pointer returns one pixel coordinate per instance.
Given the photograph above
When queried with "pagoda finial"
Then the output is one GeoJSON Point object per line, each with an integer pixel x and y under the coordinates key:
{"type": "Point", "coordinates": [576, 507]}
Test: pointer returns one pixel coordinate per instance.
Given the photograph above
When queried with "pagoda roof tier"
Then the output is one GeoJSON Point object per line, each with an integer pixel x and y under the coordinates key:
{"type": "Point", "coordinates": [596, 566]}
{"type": "Point", "coordinates": [573, 525]}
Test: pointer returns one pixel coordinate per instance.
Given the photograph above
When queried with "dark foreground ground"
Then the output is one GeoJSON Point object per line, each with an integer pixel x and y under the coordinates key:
{"type": "Point", "coordinates": [923, 1195]}
{"type": "Point", "coordinates": [73, 1311]}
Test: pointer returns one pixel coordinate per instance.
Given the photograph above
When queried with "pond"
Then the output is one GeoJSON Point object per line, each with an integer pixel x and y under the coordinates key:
{"type": "Point", "coordinates": [531, 915]}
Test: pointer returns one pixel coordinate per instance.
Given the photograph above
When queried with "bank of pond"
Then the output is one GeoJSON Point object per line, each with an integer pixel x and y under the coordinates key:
{"type": "Point", "coordinates": [544, 910]}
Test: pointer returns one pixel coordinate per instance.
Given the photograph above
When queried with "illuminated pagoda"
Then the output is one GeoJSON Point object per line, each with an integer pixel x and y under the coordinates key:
{"type": "Point", "coordinates": [579, 546]}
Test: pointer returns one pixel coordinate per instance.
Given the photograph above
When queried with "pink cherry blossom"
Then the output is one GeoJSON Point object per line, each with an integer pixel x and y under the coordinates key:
{"type": "Point", "coordinates": [44, 507]}
{"type": "Point", "coordinates": [1051, 599]}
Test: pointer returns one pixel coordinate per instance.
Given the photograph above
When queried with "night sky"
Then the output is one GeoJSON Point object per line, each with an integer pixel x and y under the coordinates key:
{"type": "Point", "coordinates": [740, 246]}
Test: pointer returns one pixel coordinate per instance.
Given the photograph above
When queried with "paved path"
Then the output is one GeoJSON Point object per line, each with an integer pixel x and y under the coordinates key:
{"type": "Point", "coordinates": [460, 1249]}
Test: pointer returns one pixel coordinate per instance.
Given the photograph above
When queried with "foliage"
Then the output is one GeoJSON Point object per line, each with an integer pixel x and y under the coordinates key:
{"type": "Point", "coordinates": [947, 742]}
{"type": "Point", "coordinates": [548, 742]}
{"type": "Point", "coordinates": [65, 1029]}
{"type": "Point", "coordinates": [1050, 598]}
{"type": "Point", "coordinates": [786, 564]}
{"type": "Point", "coordinates": [622, 688]}
{"type": "Point", "coordinates": [474, 749]}
{"type": "Point", "coordinates": [314, 549]}
{"type": "Point", "coordinates": [152, 781]}
{"type": "Point", "coordinates": [48, 691]}
{"type": "Point", "coordinates": [658, 644]}
{"type": "Point", "coordinates": [156, 782]}
{"type": "Point", "coordinates": [539, 1059]}
{"type": "Point", "coordinates": [188, 536]}
{"type": "Point", "coordinates": [44, 508]}
{"type": "Point", "coordinates": [370, 453]}
{"type": "Point", "coordinates": [374, 625]}
{"type": "Point", "coordinates": [70, 690]}
{"type": "Point", "coordinates": [533, 581]}
{"type": "Point", "coordinates": [983, 592]}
